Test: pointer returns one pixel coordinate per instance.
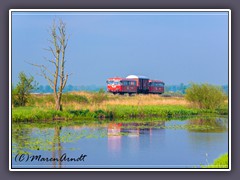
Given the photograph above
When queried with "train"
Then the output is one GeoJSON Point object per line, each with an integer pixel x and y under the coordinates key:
{"type": "Point", "coordinates": [134, 84]}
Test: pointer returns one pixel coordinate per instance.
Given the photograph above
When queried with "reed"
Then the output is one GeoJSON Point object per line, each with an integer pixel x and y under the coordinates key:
{"type": "Point", "coordinates": [88, 98]}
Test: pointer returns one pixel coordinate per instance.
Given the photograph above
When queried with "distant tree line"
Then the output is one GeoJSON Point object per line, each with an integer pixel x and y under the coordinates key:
{"type": "Point", "coordinates": [181, 88]}
{"type": "Point", "coordinates": [178, 89]}
{"type": "Point", "coordinates": [70, 88]}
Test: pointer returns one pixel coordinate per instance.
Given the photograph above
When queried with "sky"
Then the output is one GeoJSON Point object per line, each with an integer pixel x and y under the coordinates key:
{"type": "Point", "coordinates": [175, 47]}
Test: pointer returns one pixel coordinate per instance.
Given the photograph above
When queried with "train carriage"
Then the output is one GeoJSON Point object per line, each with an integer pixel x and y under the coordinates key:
{"type": "Point", "coordinates": [142, 83]}
{"type": "Point", "coordinates": [121, 85]}
{"type": "Point", "coordinates": [156, 87]}
{"type": "Point", "coordinates": [134, 84]}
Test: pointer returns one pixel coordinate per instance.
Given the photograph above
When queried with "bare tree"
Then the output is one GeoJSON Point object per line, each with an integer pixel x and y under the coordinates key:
{"type": "Point", "coordinates": [57, 79]}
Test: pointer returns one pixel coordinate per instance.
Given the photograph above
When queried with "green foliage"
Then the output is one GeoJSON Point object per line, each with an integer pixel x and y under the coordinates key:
{"type": "Point", "coordinates": [205, 96]}
{"type": "Point", "coordinates": [21, 93]}
{"type": "Point", "coordinates": [99, 97]}
{"type": "Point", "coordinates": [221, 162]}
{"type": "Point", "coordinates": [74, 98]}
{"type": "Point", "coordinates": [172, 94]}
{"type": "Point", "coordinates": [125, 111]}
{"type": "Point", "coordinates": [111, 112]}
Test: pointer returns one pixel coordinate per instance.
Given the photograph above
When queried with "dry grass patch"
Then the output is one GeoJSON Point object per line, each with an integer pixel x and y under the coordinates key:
{"type": "Point", "coordinates": [143, 100]}
{"type": "Point", "coordinates": [111, 100]}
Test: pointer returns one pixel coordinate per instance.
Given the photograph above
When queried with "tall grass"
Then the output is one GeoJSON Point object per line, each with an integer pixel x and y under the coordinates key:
{"type": "Point", "coordinates": [47, 100]}
{"type": "Point", "coordinates": [143, 100]}
{"type": "Point", "coordinates": [103, 99]}
{"type": "Point", "coordinates": [101, 105]}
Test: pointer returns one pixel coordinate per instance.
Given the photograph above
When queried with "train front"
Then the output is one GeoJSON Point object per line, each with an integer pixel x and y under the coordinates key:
{"type": "Point", "coordinates": [114, 85]}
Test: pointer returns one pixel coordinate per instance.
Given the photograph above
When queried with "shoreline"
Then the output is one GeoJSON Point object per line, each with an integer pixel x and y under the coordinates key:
{"type": "Point", "coordinates": [25, 114]}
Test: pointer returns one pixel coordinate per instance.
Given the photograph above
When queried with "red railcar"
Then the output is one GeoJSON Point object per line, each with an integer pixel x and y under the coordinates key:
{"type": "Point", "coordinates": [156, 87]}
{"type": "Point", "coordinates": [134, 84]}
{"type": "Point", "coordinates": [121, 85]}
{"type": "Point", "coordinates": [142, 83]}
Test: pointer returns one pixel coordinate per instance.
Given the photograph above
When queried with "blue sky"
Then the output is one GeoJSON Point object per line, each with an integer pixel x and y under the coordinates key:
{"type": "Point", "coordinates": [176, 47]}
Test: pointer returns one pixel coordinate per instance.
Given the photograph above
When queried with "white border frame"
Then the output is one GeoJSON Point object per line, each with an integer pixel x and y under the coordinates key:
{"type": "Point", "coordinates": [119, 10]}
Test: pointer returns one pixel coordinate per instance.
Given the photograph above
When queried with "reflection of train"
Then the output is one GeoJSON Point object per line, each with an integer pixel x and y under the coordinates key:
{"type": "Point", "coordinates": [134, 84]}
{"type": "Point", "coordinates": [114, 129]}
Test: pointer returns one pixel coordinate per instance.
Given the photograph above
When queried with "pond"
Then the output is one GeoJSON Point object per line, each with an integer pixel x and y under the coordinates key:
{"type": "Point", "coordinates": [172, 143]}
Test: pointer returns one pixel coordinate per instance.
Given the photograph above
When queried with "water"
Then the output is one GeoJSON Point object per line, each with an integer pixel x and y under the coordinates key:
{"type": "Point", "coordinates": [154, 144]}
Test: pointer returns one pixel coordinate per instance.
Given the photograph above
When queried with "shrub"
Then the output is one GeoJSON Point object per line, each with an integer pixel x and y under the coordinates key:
{"type": "Point", "coordinates": [21, 93]}
{"type": "Point", "coordinates": [99, 97]}
{"type": "Point", "coordinates": [205, 96]}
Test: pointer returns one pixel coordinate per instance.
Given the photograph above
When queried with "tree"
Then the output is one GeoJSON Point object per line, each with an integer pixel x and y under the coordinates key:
{"type": "Point", "coordinates": [21, 93]}
{"type": "Point", "coordinates": [205, 96]}
{"type": "Point", "coordinates": [57, 79]}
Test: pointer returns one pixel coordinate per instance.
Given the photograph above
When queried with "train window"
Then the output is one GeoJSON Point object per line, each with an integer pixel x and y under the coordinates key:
{"type": "Point", "coordinates": [132, 83]}
{"type": "Point", "coordinates": [160, 84]}
{"type": "Point", "coordinates": [117, 83]}
{"type": "Point", "coordinates": [109, 82]}
{"type": "Point", "coordinates": [113, 82]}
{"type": "Point", "coordinates": [156, 84]}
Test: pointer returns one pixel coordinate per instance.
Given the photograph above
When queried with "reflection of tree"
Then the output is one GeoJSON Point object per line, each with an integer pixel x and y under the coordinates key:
{"type": "Point", "coordinates": [56, 146]}
{"type": "Point", "coordinates": [208, 125]}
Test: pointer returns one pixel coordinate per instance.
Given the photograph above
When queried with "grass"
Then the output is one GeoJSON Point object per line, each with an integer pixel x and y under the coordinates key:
{"type": "Point", "coordinates": [77, 105]}
{"type": "Point", "coordinates": [90, 99]}
{"type": "Point", "coordinates": [125, 111]}
{"type": "Point", "coordinates": [220, 162]}
{"type": "Point", "coordinates": [21, 114]}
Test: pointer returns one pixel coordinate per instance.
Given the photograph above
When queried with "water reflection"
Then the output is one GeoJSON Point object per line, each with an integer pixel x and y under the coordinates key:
{"type": "Point", "coordinates": [21, 138]}
{"type": "Point", "coordinates": [208, 125]}
{"type": "Point", "coordinates": [114, 137]}
{"type": "Point", "coordinates": [57, 147]}
{"type": "Point", "coordinates": [126, 143]}
{"type": "Point", "coordinates": [131, 130]}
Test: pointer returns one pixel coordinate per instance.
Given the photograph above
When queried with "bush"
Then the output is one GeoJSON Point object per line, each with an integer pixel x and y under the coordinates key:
{"type": "Point", "coordinates": [99, 97]}
{"type": "Point", "coordinates": [21, 93]}
{"type": "Point", "coordinates": [205, 96]}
